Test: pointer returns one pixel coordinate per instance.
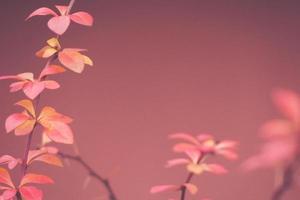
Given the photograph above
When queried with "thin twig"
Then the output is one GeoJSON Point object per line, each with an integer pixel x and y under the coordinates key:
{"type": "Point", "coordinates": [104, 181]}
{"type": "Point", "coordinates": [287, 182]}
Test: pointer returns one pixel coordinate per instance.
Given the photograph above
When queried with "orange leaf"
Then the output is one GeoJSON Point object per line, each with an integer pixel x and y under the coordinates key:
{"type": "Point", "coordinates": [49, 159]}
{"type": "Point", "coordinates": [35, 178]}
{"type": "Point", "coordinates": [5, 178]}
{"type": "Point", "coordinates": [27, 104]}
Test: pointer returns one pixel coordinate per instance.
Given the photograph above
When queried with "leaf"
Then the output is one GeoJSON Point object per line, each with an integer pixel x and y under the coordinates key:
{"type": "Point", "coordinates": [16, 86]}
{"type": "Point", "coordinates": [163, 188]}
{"type": "Point", "coordinates": [49, 114]}
{"type": "Point", "coordinates": [50, 159]}
{"type": "Point", "coordinates": [8, 194]}
{"type": "Point", "coordinates": [5, 178]}
{"type": "Point", "coordinates": [82, 18]}
{"type": "Point", "coordinates": [26, 76]}
{"type": "Point", "coordinates": [25, 128]}
{"type": "Point", "coordinates": [27, 104]}
{"type": "Point", "coordinates": [54, 43]}
{"type": "Point", "coordinates": [15, 120]}
{"type": "Point", "coordinates": [195, 168]}
{"type": "Point", "coordinates": [288, 102]}
{"type": "Point", "coordinates": [31, 193]}
{"type": "Point", "coordinates": [276, 128]}
{"type": "Point", "coordinates": [10, 77]}
{"type": "Point", "coordinates": [191, 188]}
{"type": "Point", "coordinates": [87, 60]}
{"type": "Point", "coordinates": [72, 60]}
{"type": "Point", "coordinates": [50, 70]}
{"type": "Point", "coordinates": [52, 85]}
{"type": "Point", "coordinates": [9, 160]}
{"type": "Point", "coordinates": [178, 161]}
{"type": "Point", "coordinates": [33, 89]}
{"type": "Point", "coordinates": [60, 132]}
{"type": "Point", "coordinates": [59, 24]}
{"type": "Point", "coordinates": [215, 168]}
{"type": "Point", "coordinates": [46, 52]}
{"type": "Point", "coordinates": [42, 11]}
{"type": "Point", "coordinates": [35, 178]}
{"type": "Point", "coordinates": [182, 147]}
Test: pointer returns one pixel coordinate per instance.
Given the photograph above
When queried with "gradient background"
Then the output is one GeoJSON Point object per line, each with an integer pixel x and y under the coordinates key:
{"type": "Point", "coordinates": [161, 66]}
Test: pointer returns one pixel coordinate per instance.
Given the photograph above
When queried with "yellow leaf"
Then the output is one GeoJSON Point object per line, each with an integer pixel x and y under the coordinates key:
{"type": "Point", "coordinates": [46, 52]}
{"type": "Point", "coordinates": [195, 168]}
{"type": "Point", "coordinates": [53, 42]}
{"type": "Point", "coordinates": [27, 104]}
{"type": "Point", "coordinates": [87, 60]}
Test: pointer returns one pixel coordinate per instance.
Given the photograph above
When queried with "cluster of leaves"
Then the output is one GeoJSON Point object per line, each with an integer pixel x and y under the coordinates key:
{"type": "Point", "coordinates": [197, 150]}
{"type": "Point", "coordinates": [281, 148]}
{"type": "Point", "coordinates": [282, 138]}
{"type": "Point", "coordinates": [55, 126]}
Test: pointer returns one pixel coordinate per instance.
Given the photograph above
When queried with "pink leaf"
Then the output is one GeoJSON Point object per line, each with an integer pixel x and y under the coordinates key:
{"type": "Point", "coordinates": [31, 193]}
{"type": "Point", "coordinates": [59, 24]}
{"type": "Point", "coordinates": [8, 194]}
{"type": "Point", "coordinates": [11, 161]}
{"type": "Point", "coordinates": [276, 128]}
{"type": "Point", "coordinates": [36, 178]}
{"type": "Point", "coordinates": [42, 11]}
{"type": "Point", "coordinates": [178, 161]}
{"type": "Point", "coordinates": [33, 89]}
{"type": "Point", "coordinates": [182, 147]}
{"type": "Point", "coordinates": [82, 18]}
{"type": "Point", "coordinates": [288, 102]}
{"type": "Point", "coordinates": [215, 168]}
{"type": "Point", "coordinates": [191, 188]}
{"type": "Point", "coordinates": [10, 77]}
{"type": "Point", "coordinates": [15, 120]}
{"type": "Point", "coordinates": [163, 188]}
{"type": "Point", "coordinates": [16, 86]}
{"type": "Point", "coordinates": [52, 85]}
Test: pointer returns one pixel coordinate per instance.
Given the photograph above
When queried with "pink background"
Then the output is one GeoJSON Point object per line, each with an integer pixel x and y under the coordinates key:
{"type": "Point", "coordinates": [161, 66]}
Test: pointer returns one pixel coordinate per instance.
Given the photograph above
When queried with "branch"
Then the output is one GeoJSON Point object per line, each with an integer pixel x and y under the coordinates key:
{"type": "Point", "coordinates": [104, 181]}
{"type": "Point", "coordinates": [287, 181]}
{"type": "Point", "coordinates": [189, 178]}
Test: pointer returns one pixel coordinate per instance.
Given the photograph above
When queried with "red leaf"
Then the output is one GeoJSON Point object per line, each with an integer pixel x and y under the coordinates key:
{"type": "Point", "coordinates": [82, 18]}
{"type": "Point", "coordinates": [8, 194]}
{"type": "Point", "coordinates": [31, 193]}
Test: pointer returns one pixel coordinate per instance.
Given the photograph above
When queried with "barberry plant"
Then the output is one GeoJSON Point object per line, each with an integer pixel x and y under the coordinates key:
{"type": "Point", "coordinates": [197, 151]}
{"type": "Point", "coordinates": [55, 127]}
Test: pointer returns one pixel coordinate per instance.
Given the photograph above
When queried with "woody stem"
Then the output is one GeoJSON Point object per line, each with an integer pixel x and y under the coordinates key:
{"type": "Point", "coordinates": [189, 178]}
{"type": "Point", "coordinates": [104, 181]}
